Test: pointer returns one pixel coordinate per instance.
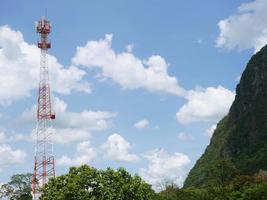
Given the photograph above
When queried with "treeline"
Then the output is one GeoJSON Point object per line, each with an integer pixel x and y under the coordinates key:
{"type": "Point", "coordinates": [224, 182]}
{"type": "Point", "coordinates": [87, 183]}
{"type": "Point", "coordinates": [245, 188]}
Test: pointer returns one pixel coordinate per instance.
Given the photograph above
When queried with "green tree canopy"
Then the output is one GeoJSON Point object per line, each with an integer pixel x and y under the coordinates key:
{"type": "Point", "coordinates": [18, 188]}
{"type": "Point", "coordinates": [87, 183]}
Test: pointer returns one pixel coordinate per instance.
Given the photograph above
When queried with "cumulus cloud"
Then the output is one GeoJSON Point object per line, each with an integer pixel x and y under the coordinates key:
{"type": "Point", "coordinates": [152, 74]}
{"type": "Point", "coordinates": [4, 137]}
{"type": "Point", "coordinates": [19, 63]}
{"type": "Point", "coordinates": [209, 132]}
{"type": "Point", "coordinates": [86, 119]}
{"type": "Point", "coordinates": [246, 29]}
{"type": "Point", "coordinates": [117, 148]}
{"type": "Point", "coordinates": [208, 104]}
{"type": "Point", "coordinates": [66, 135]}
{"type": "Point", "coordinates": [141, 124]}
{"type": "Point", "coordinates": [126, 69]}
{"type": "Point", "coordinates": [68, 126]}
{"type": "Point", "coordinates": [56, 135]}
{"type": "Point", "coordinates": [84, 155]}
{"type": "Point", "coordinates": [9, 156]}
{"type": "Point", "coordinates": [185, 136]}
{"type": "Point", "coordinates": [164, 167]}
{"type": "Point", "coordinates": [61, 135]}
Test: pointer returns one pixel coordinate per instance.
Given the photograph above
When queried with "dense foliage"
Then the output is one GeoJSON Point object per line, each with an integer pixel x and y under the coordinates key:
{"type": "Point", "coordinates": [225, 183]}
{"type": "Point", "coordinates": [18, 188]}
{"type": "Point", "coordinates": [91, 184]}
{"type": "Point", "coordinates": [253, 192]}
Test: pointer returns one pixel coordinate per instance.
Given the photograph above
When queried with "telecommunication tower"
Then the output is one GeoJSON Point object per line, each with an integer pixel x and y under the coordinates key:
{"type": "Point", "coordinates": [44, 164]}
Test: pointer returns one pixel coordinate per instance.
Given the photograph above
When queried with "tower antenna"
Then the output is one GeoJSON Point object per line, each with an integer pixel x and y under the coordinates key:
{"type": "Point", "coordinates": [44, 163]}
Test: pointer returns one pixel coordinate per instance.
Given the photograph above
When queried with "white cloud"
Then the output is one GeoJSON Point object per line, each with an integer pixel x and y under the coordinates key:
{"type": "Point", "coordinates": [86, 119]}
{"type": "Point", "coordinates": [208, 104]}
{"type": "Point", "coordinates": [68, 126]}
{"type": "Point", "coordinates": [245, 29]}
{"type": "Point", "coordinates": [68, 135]}
{"type": "Point", "coordinates": [19, 63]}
{"type": "Point", "coordinates": [129, 48]}
{"type": "Point", "coordinates": [5, 138]}
{"type": "Point", "coordinates": [57, 135]}
{"type": "Point", "coordinates": [152, 74]}
{"type": "Point", "coordinates": [126, 69]}
{"type": "Point", "coordinates": [84, 155]}
{"type": "Point", "coordinates": [9, 156]}
{"type": "Point", "coordinates": [19, 137]}
{"type": "Point", "coordinates": [117, 148]}
{"type": "Point", "coordinates": [209, 132]}
{"type": "Point", "coordinates": [185, 136]}
{"type": "Point", "coordinates": [164, 167]}
{"type": "Point", "coordinates": [141, 124]}
{"type": "Point", "coordinates": [2, 137]}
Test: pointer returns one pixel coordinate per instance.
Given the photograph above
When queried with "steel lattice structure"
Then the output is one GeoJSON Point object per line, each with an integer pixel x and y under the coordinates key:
{"type": "Point", "coordinates": [44, 164]}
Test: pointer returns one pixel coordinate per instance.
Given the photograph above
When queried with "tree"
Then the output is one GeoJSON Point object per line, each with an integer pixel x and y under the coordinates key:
{"type": "Point", "coordinates": [220, 177]}
{"type": "Point", "coordinates": [254, 192]}
{"type": "Point", "coordinates": [173, 192]}
{"type": "Point", "coordinates": [88, 183]}
{"type": "Point", "coordinates": [18, 188]}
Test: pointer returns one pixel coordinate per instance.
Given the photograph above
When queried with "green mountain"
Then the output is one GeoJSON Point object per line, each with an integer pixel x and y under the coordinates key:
{"type": "Point", "coordinates": [241, 136]}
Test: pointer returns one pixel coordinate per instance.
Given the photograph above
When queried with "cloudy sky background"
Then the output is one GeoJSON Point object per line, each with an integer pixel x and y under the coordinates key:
{"type": "Point", "coordinates": [138, 84]}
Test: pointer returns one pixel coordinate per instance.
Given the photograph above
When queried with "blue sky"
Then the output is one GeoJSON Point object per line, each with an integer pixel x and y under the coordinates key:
{"type": "Point", "coordinates": [138, 84]}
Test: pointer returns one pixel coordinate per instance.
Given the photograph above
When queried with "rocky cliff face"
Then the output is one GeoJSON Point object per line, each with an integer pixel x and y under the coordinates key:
{"type": "Point", "coordinates": [241, 136]}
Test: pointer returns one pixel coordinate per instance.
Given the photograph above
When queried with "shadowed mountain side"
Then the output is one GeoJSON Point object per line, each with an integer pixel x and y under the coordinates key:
{"type": "Point", "coordinates": [241, 136]}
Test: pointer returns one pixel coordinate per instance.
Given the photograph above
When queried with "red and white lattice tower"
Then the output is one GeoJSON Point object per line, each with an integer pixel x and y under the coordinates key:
{"type": "Point", "coordinates": [44, 164]}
